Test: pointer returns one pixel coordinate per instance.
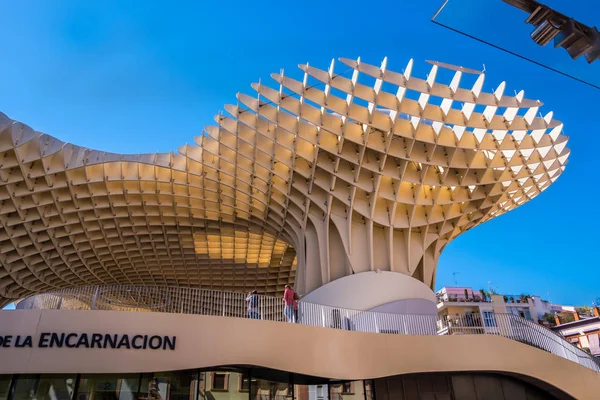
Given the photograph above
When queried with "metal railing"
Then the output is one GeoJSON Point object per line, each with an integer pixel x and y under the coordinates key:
{"type": "Point", "coordinates": [230, 304]}
{"type": "Point", "coordinates": [514, 327]}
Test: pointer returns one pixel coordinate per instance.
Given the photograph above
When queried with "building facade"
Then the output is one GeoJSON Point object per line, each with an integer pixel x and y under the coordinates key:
{"type": "Point", "coordinates": [463, 305]}
{"type": "Point", "coordinates": [131, 271]}
{"type": "Point", "coordinates": [582, 331]}
{"type": "Point", "coordinates": [544, 307]}
{"type": "Point", "coordinates": [477, 308]}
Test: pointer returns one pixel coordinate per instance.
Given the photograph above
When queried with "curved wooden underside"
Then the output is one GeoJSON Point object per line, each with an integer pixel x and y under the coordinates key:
{"type": "Point", "coordinates": [354, 171]}
{"type": "Point", "coordinates": [206, 341]}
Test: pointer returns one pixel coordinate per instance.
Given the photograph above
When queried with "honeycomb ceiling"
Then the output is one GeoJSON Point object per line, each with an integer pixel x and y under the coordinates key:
{"type": "Point", "coordinates": [362, 168]}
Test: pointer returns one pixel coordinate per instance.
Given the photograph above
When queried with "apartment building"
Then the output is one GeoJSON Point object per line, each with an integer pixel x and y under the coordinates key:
{"type": "Point", "coordinates": [583, 331]}
{"type": "Point", "coordinates": [476, 310]}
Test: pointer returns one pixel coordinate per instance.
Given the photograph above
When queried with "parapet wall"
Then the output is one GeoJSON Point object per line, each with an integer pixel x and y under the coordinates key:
{"type": "Point", "coordinates": [207, 341]}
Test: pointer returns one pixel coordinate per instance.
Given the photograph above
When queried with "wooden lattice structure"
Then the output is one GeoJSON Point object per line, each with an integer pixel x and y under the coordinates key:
{"type": "Point", "coordinates": [337, 172]}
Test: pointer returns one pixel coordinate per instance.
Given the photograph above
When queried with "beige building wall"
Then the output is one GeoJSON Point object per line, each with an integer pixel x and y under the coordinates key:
{"type": "Point", "coordinates": [206, 341]}
{"type": "Point", "coordinates": [498, 304]}
{"type": "Point", "coordinates": [460, 310]}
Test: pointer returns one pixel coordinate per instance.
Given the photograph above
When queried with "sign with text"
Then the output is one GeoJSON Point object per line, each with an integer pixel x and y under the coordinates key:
{"type": "Point", "coordinates": [90, 341]}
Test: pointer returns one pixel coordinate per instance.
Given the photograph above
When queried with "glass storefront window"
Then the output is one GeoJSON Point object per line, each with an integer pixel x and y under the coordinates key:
{"type": "Point", "coordinates": [354, 390]}
{"type": "Point", "coordinates": [148, 388]}
{"type": "Point", "coordinates": [128, 388]}
{"type": "Point", "coordinates": [263, 389]}
{"type": "Point", "coordinates": [176, 386]}
{"type": "Point", "coordinates": [25, 388]}
{"type": "Point", "coordinates": [220, 381]}
{"type": "Point", "coordinates": [4, 386]}
{"type": "Point", "coordinates": [55, 387]}
{"type": "Point", "coordinates": [244, 384]}
{"type": "Point", "coordinates": [108, 387]}
{"type": "Point", "coordinates": [369, 391]}
{"type": "Point", "coordinates": [44, 387]}
{"type": "Point", "coordinates": [224, 385]}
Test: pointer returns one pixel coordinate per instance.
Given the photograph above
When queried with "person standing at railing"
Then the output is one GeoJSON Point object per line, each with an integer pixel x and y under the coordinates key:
{"type": "Point", "coordinates": [252, 301]}
{"type": "Point", "coordinates": [289, 299]}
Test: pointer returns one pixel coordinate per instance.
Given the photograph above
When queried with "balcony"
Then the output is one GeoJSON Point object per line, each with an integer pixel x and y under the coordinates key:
{"type": "Point", "coordinates": [461, 299]}
{"type": "Point", "coordinates": [229, 304]}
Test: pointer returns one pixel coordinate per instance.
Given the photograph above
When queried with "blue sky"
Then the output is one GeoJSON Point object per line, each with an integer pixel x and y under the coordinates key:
{"type": "Point", "coordinates": [122, 77]}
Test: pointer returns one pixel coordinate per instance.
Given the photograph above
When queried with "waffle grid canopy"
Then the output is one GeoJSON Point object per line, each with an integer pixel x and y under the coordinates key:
{"type": "Point", "coordinates": [308, 181]}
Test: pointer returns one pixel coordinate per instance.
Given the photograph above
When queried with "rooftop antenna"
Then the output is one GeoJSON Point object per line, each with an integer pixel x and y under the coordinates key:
{"type": "Point", "coordinates": [454, 276]}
